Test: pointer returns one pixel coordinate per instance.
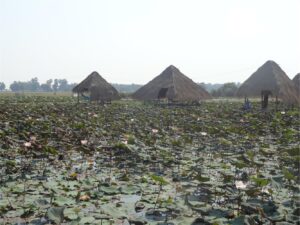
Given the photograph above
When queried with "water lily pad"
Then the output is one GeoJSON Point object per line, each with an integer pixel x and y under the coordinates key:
{"type": "Point", "coordinates": [111, 190]}
{"type": "Point", "coordinates": [42, 203]}
{"type": "Point", "coordinates": [61, 201]}
{"type": "Point", "coordinates": [71, 213]}
{"type": "Point", "coordinates": [56, 214]}
{"type": "Point", "coordinates": [86, 220]}
{"type": "Point", "coordinates": [130, 189]}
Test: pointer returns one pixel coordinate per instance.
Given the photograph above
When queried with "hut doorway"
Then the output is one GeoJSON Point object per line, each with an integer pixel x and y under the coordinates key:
{"type": "Point", "coordinates": [162, 94]}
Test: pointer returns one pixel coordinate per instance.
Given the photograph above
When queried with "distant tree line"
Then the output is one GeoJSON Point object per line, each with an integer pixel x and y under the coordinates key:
{"type": "Point", "coordinates": [62, 85]}
{"type": "Point", "coordinates": [209, 86]}
{"type": "Point", "coordinates": [221, 90]}
{"type": "Point", "coordinates": [50, 85]}
{"type": "Point", "coordinates": [126, 88]}
{"type": "Point", "coordinates": [58, 85]}
{"type": "Point", "coordinates": [216, 90]}
{"type": "Point", "coordinates": [2, 86]}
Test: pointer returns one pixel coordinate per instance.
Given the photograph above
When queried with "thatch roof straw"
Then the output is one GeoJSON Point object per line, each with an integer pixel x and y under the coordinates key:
{"type": "Point", "coordinates": [296, 81]}
{"type": "Point", "coordinates": [98, 88]}
{"type": "Point", "coordinates": [173, 85]}
{"type": "Point", "coordinates": [269, 77]}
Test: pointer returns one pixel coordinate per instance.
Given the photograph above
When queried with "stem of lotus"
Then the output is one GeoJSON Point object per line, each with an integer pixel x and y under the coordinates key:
{"type": "Point", "coordinates": [160, 188]}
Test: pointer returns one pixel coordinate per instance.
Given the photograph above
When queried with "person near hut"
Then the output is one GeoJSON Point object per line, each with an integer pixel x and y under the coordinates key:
{"type": "Point", "coordinates": [247, 104]}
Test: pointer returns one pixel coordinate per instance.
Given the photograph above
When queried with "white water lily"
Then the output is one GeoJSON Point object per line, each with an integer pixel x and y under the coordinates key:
{"type": "Point", "coordinates": [33, 138]}
{"type": "Point", "coordinates": [203, 133]}
{"type": "Point", "coordinates": [84, 142]}
{"type": "Point", "coordinates": [240, 184]}
{"type": "Point", "coordinates": [154, 131]}
{"type": "Point", "coordinates": [27, 144]}
{"type": "Point", "coordinates": [282, 113]}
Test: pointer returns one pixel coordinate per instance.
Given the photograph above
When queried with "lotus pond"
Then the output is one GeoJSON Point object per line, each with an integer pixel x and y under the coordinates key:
{"type": "Point", "coordinates": [134, 163]}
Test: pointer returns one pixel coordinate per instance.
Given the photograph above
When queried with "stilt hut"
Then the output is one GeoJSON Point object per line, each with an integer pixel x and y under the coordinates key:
{"type": "Point", "coordinates": [172, 85]}
{"type": "Point", "coordinates": [271, 79]}
{"type": "Point", "coordinates": [96, 88]}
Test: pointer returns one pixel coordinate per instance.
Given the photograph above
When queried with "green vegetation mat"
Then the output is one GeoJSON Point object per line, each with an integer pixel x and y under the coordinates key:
{"type": "Point", "coordinates": [135, 163]}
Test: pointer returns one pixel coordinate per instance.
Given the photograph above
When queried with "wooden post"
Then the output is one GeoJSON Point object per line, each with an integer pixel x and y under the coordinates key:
{"type": "Point", "coordinates": [262, 100]}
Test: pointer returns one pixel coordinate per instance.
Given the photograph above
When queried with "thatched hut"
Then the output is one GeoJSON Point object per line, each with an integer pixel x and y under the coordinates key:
{"type": "Point", "coordinates": [173, 85]}
{"type": "Point", "coordinates": [269, 77]}
{"type": "Point", "coordinates": [97, 88]}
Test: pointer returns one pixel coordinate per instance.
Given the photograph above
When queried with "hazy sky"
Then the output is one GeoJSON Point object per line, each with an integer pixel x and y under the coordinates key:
{"type": "Point", "coordinates": [132, 41]}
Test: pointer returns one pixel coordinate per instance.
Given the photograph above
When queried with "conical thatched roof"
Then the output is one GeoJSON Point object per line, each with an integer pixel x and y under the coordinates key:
{"type": "Point", "coordinates": [269, 77]}
{"type": "Point", "coordinates": [171, 84]}
{"type": "Point", "coordinates": [98, 87]}
{"type": "Point", "coordinates": [296, 81]}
